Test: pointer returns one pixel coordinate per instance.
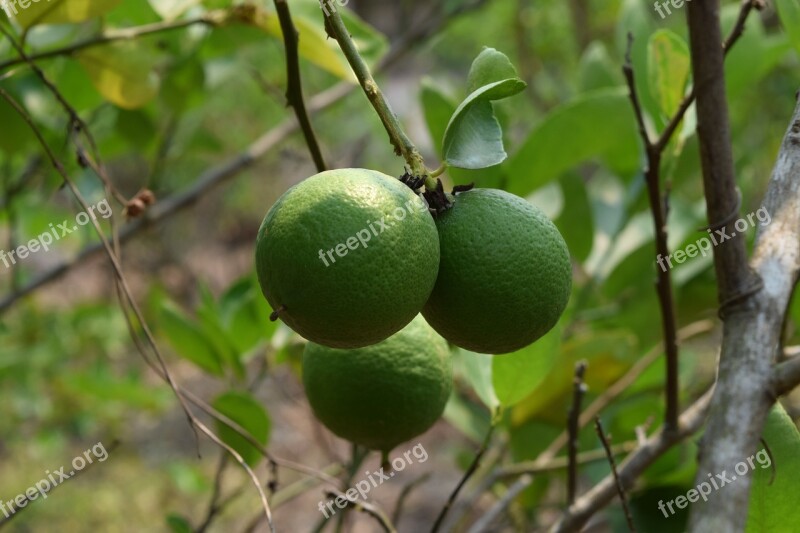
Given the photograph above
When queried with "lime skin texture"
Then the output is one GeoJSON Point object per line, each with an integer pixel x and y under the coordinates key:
{"type": "Point", "coordinates": [504, 277]}
{"type": "Point", "coordinates": [347, 257]}
{"type": "Point", "coordinates": [381, 395]}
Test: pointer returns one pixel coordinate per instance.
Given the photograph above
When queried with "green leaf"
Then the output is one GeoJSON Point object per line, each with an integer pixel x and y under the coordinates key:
{"type": "Point", "coordinates": [597, 70]}
{"type": "Point", "coordinates": [188, 340]}
{"type": "Point", "coordinates": [183, 85]}
{"type": "Point", "coordinates": [668, 69]}
{"type": "Point", "coordinates": [789, 14]}
{"type": "Point", "coordinates": [178, 524]}
{"type": "Point", "coordinates": [489, 67]}
{"type": "Point", "coordinates": [576, 222]}
{"type": "Point", "coordinates": [58, 11]}
{"type": "Point", "coordinates": [122, 72]}
{"type": "Point", "coordinates": [246, 411]}
{"type": "Point", "coordinates": [477, 369]}
{"type": "Point", "coordinates": [473, 138]}
{"type": "Point", "coordinates": [774, 506]}
{"type": "Point", "coordinates": [517, 374]}
{"type": "Point", "coordinates": [438, 108]}
{"type": "Point", "coordinates": [598, 124]}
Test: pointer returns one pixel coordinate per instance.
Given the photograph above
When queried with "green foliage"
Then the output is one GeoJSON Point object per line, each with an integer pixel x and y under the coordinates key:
{"type": "Point", "coordinates": [248, 412]}
{"type": "Point", "coordinates": [772, 505]}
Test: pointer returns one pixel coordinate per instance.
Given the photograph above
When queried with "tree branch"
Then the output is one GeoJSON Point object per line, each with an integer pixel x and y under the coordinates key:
{"type": "Point", "coordinates": [578, 390]}
{"type": "Point", "coordinates": [748, 383]}
{"type": "Point", "coordinates": [633, 465]}
{"type": "Point", "coordinates": [294, 84]}
{"type": "Point", "coordinates": [401, 142]}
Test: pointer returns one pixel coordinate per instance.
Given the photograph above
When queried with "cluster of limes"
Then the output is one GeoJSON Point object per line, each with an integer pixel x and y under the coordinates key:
{"type": "Point", "coordinates": [348, 258]}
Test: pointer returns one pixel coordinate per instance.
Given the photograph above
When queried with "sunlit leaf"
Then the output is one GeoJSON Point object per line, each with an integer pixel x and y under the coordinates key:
{"type": "Point", "coordinates": [473, 138]}
{"type": "Point", "coordinates": [122, 72]}
{"type": "Point", "coordinates": [515, 375]}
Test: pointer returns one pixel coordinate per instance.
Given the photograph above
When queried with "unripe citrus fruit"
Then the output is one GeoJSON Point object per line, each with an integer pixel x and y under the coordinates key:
{"type": "Point", "coordinates": [347, 257]}
{"type": "Point", "coordinates": [384, 394]}
{"type": "Point", "coordinates": [504, 275]}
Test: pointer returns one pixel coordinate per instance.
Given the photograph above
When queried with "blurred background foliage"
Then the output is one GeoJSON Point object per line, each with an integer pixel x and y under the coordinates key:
{"type": "Point", "coordinates": [167, 106]}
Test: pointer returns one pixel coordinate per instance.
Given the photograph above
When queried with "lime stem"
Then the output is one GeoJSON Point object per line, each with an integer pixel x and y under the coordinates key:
{"type": "Point", "coordinates": [401, 142]}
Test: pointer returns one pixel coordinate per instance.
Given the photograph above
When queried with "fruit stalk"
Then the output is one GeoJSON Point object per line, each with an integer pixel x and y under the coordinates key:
{"type": "Point", "coordinates": [403, 146]}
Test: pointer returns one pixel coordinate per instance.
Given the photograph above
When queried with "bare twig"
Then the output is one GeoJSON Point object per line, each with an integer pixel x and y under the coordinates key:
{"type": "Point", "coordinates": [664, 280]}
{"type": "Point", "coordinates": [637, 462]}
{"type": "Point", "coordinates": [471, 470]}
{"type": "Point", "coordinates": [620, 489]}
{"type": "Point", "coordinates": [405, 493]}
{"type": "Point", "coordinates": [294, 89]}
{"type": "Point", "coordinates": [368, 508]}
{"type": "Point", "coordinates": [578, 390]}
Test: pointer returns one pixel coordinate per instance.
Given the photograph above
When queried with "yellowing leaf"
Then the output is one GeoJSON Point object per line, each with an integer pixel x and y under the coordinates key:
{"type": "Point", "coordinates": [314, 45]}
{"type": "Point", "coordinates": [122, 73]}
{"type": "Point", "coordinates": [32, 12]}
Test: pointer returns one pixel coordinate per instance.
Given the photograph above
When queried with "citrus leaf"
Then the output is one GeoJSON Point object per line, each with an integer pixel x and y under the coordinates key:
{"type": "Point", "coordinates": [516, 375]}
{"type": "Point", "coordinates": [188, 340]}
{"type": "Point", "coordinates": [773, 506]}
{"type": "Point", "coordinates": [789, 14]}
{"type": "Point", "coordinates": [438, 108]}
{"type": "Point", "coordinates": [596, 124]}
{"type": "Point", "coordinates": [473, 138]}
{"type": "Point", "coordinates": [58, 11]}
{"type": "Point", "coordinates": [246, 411]}
{"type": "Point", "coordinates": [668, 68]}
{"type": "Point", "coordinates": [122, 72]}
{"type": "Point", "coordinates": [575, 222]}
{"type": "Point", "coordinates": [178, 524]}
{"type": "Point", "coordinates": [490, 66]}
{"type": "Point", "coordinates": [477, 369]}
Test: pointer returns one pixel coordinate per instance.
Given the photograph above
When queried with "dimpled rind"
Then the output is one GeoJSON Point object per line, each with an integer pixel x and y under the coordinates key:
{"type": "Point", "coordinates": [504, 275]}
{"type": "Point", "coordinates": [375, 287]}
{"type": "Point", "coordinates": [384, 394]}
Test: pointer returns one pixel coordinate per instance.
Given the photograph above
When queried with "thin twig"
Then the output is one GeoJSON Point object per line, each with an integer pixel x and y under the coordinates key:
{"type": "Point", "coordinates": [366, 507]}
{"type": "Point", "coordinates": [405, 493]}
{"type": "Point", "coordinates": [294, 84]}
{"type": "Point", "coordinates": [109, 36]}
{"type": "Point", "coordinates": [664, 281]}
{"type": "Point", "coordinates": [397, 136]}
{"type": "Point", "coordinates": [579, 389]}
{"type": "Point", "coordinates": [194, 422]}
{"type": "Point", "coordinates": [620, 489]}
{"type": "Point", "coordinates": [471, 470]}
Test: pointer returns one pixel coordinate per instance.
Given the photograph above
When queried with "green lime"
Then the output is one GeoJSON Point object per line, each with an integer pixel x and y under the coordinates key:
{"type": "Point", "coordinates": [347, 257]}
{"type": "Point", "coordinates": [384, 394]}
{"type": "Point", "coordinates": [504, 276]}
